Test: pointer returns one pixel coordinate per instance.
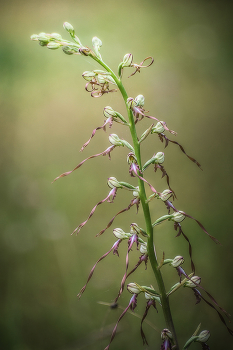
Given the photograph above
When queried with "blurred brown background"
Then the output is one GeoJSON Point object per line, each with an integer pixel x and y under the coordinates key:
{"type": "Point", "coordinates": [46, 116]}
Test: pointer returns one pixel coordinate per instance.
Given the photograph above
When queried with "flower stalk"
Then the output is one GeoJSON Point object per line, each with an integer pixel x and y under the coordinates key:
{"type": "Point", "coordinates": [97, 84]}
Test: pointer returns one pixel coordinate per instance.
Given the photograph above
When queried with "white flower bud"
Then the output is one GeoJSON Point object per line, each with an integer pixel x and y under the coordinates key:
{"type": "Point", "coordinates": [134, 228]}
{"type": "Point", "coordinates": [88, 75]}
{"type": "Point", "coordinates": [140, 100]}
{"type": "Point", "coordinates": [109, 112]}
{"type": "Point", "coordinates": [112, 182]}
{"type": "Point", "coordinates": [69, 28]}
{"type": "Point", "coordinates": [165, 195]}
{"type": "Point", "coordinates": [68, 50]}
{"type": "Point", "coordinates": [127, 60]}
{"type": "Point", "coordinates": [53, 46]}
{"type": "Point", "coordinates": [34, 37]}
{"type": "Point", "coordinates": [143, 248]}
{"type": "Point", "coordinates": [178, 216]}
{"type": "Point", "coordinates": [177, 261]}
{"type": "Point", "coordinates": [134, 288]}
{"type": "Point", "coordinates": [56, 36]}
{"type": "Point", "coordinates": [120, 234]}
{"type": "Point", "coordinates": [136, 192]}
{"type": "Point", "coordinates": [115, 140]}
{"type": "Point", "coordinates": [44, 38]}
{"type": "Point", "coordinates": [190, 283]}
{"type": "Point", "coordinates": [203, 336]}
{"type": "Point", "coordinates": [96, 42]}
{"type": "Point", "coordinates": [158, 128]}
{"type": "Point", "coordinates": [159, 158]}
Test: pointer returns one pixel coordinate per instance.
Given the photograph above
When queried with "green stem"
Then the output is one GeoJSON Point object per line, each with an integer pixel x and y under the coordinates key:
{"type": "Point", "coordinates": [146, 211]}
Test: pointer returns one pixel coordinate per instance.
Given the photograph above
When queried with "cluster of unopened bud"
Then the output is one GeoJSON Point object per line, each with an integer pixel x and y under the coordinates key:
{"type": "Point", "coordinates": [99, 76]}
{"type": "Point", "coordinates": [54, 41]}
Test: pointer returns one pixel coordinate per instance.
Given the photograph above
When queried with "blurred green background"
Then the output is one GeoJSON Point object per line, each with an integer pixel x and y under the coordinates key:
{"type": "Point", "coordinates": [46, 116]}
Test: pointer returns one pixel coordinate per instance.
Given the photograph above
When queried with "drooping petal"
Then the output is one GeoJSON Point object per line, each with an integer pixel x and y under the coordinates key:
{"type": "Point", "coordinates": [103, 127]}
{"type": "Point", "coordinates": [148, 305]}
{"type": "Point", "coordinates": [132, 305]}
{"type": "Point", "coordinates": [115, 251]}
{"type": "Point", "coordinates": [211, 305]}
{"type": "Point", "coordinates": [133, 202]}
{"type": "Point", "coordinates": [182, 149]}
{"type": "Point", "coordinates": [107, 151]}
{"type": "Point", "coordinates": [110, 197]}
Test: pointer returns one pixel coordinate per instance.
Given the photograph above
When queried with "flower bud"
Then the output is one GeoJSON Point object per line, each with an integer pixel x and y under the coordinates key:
{"type": "Point", "coordinates": [112, 182]}
{"type": "Point", "coordinates": [166, 334]}
{"type": "Point", "coordinates": [131, 102]}
{"type": "Point", "coordinates": [56, 36]}
{"type": "Point", "coordinates": [178, 216]}
{"type": "Point", "coordinates": [69, 28]}
{"type": "Point", "coordinates": [134, 228]}
{"type": "Point", "coordinates": [115, 140]}
{"type": "Point", "coordinates": [203, 336]}
{"type": "Point", "coordinates": [158, 128]}
{"type": "Point", "coordinates": [96, 42]}
{"type": "Point", "coordinates": [134, 288]}
{"type": "Point", "coordinates": [136, 192]}
{"type": "Point", "coordinates": [44, 38]}
{"type": "Point", "coordinates": [34, 37]}
{"type": "Point", "coordinates": [88, 75]}
{"type": "Point", "coordinates": [159, 158]}
{"type": "Point", "coordinates": [68, 50]}
{"type": "Point", "coordinates": [190, 283]}
{"type": "Point", "coordinates": [165, 195]}
{"type": "Point", "coordinates": [53, 46]}
{"type": "Point", "coordinates": [127, 60]}
{"type": "Point", "coordinates": [177, 261]}
{"type": "Point", "coordinates": [109, 112]}
{"type": "Point", "coordinates": [143, 248]}
{"type": "Point", "coordinates": [120, 234]}
{"type": "Point", "coordinates": [149, 296]}
{"type": "Point", "coordinates": [140, 100]}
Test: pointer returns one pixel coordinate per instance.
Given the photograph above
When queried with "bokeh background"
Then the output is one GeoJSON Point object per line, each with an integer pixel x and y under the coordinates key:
{"type": "Point", "coordinates": [46, 116]}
